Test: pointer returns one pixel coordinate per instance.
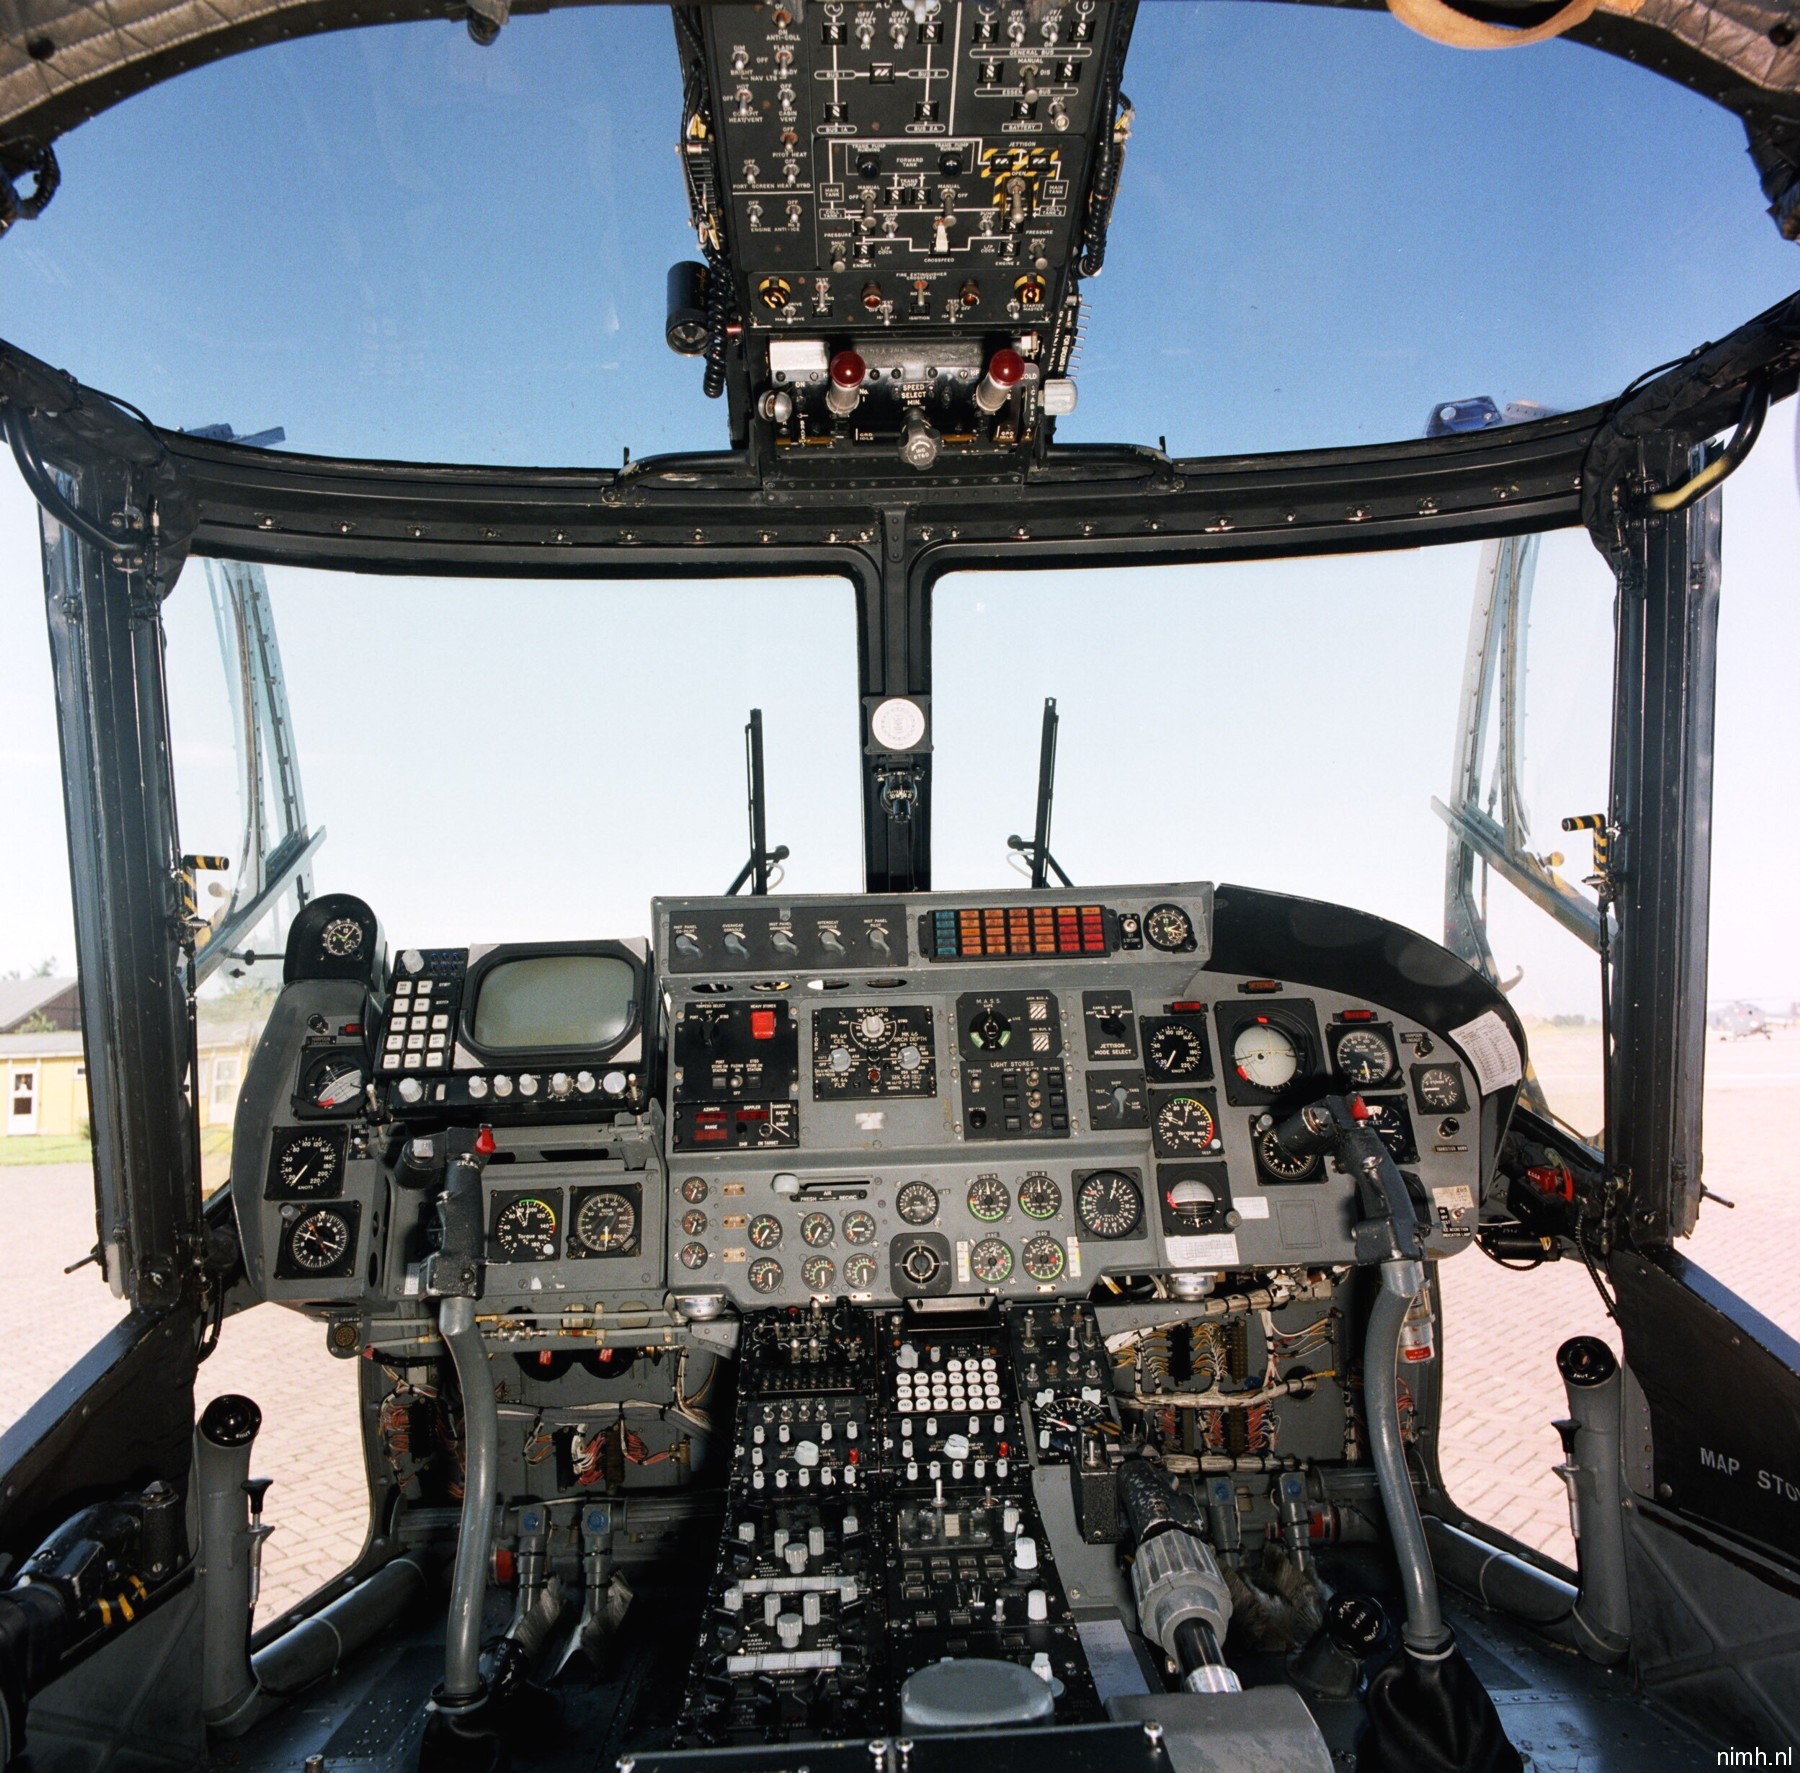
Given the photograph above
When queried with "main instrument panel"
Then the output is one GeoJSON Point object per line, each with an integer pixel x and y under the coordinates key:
{"type": "Point", "coordinates": [886, 1099]}
{"type": "Point", "coordinates": [1014, 1096]}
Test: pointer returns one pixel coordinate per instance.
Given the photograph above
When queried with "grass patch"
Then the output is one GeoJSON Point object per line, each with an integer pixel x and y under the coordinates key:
{"type": "Point", "coordinates": [46, 1148]}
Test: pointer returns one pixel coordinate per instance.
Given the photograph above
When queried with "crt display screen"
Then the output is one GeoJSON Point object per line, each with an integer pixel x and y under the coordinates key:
{"type": "Point", "coordinates": [555, 1001]}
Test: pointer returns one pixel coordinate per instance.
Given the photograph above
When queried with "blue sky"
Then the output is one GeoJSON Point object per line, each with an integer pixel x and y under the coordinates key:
{"type": "Point", "coordinates": [394, 243]}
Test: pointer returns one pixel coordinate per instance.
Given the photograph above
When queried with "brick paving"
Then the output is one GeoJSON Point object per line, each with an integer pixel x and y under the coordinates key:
{"type": "Point", "coordinates": [1500, 1337]}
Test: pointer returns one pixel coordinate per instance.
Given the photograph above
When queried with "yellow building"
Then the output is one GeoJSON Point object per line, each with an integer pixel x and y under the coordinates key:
{"type": "Point", "coordinates": [43, 1064]}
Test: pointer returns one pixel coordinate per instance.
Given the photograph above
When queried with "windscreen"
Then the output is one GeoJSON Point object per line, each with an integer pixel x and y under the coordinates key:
{"type": "Point", "coordinates": [554, 1002]}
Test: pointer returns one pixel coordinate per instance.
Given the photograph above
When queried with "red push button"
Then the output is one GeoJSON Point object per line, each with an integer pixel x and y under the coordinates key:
{"type": "Point", "coordinates": [762, 1024]}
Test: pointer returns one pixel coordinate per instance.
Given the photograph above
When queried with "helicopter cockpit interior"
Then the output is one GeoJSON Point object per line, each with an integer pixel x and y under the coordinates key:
{"type": "Point", "coordinates": [923, 1311]}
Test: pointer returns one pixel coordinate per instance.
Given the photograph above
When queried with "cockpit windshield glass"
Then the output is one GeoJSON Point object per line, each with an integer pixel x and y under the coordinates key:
{"type": "Point", "coordinates": [387, 242]}
{"type": "Point", "coordinates": [1328, 229]}
{"type": "Point", "coordinates": [391, 242]}
{"type": "Point", "coordinates": [534, 760]}
{"type": "Point", "coordinates": [1299, 725]}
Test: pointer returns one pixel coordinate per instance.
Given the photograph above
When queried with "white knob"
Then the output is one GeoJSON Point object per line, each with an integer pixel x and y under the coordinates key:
{"type": "Point", "coordinates": [528, 1085]}
{"type": "Point", "coordinates": [956, 1446]}
{"type": "Point", "coordinates": [584, 1082]}
{"type": "Point", "coordinates": [782, 1536]}
{"type": "Point", "coordinates": [411, 1090]}
{"type": "Point", "coordinates": [614, 1083]}
{"type": "Point", "coordinates": [907, 1358]}
{"type": "Point", "coordinates": [734, 1598]}
{"type": "Point", "coordinates": [781, 1480]}
{"type": "Point", "coordinates": [809, 1609]}
{"type": "Point", "coordinates": [1025, 1553]}
{"type": "Point", "coordinates": [503, 1085]}
{"type": "Point", "coordinates": [815, 1541]}
{"type": "Point", "coordinates": [796, 1557]}
{"type": "Point", "coordinates": [1009, 1519]}
{"type": "Point", "coordinates": [788, 1629]}
{"type": "Point", "coordinates": [561, 1083]}
{"type": "Point", "coordinates": [806, 1453]}
{"type": "Point", "coordinates": [478, 1088]}
{"type": "Point", "coordinates": [413, 961]}
{"type": "Point", "coordinates": [771, 1607]}
{"type": "Point", "coordinates": [1040, 1666]}
{"type": "Point", "coordinates": [1037, 1606]}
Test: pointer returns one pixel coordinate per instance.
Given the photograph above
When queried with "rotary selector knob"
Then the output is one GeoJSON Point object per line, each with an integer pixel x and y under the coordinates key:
{"type": "Point", "coordinates": [842, 1059]}
{"type": "Point", "coordinates": [413, 961]}
{"type": "Point", "coordinates": [561, 1083]}
{"type": "Point", "coordinates": [411, 1090]}
{"type": "Point", "coordinates": [503, 1085]}
{"type": "Point", "coordinates": [584, 1082]}
{"type": "Point", "coordinates": [873, 1026]}
{"type": "Point", "coordinates": [910, 1058]}
{"type": "Point", "coordinates": [478, 1089]}
{"type": "Point", "coordinates": [734, 944]}
{"type": "Point", "coordinates": [831, 941]}
{"type": "Point", "coordinates": [686, 944]}
{"type": "Point", "coordinates": [528, 1085]}
{"type": "Point", "coordinates": [783, 943]}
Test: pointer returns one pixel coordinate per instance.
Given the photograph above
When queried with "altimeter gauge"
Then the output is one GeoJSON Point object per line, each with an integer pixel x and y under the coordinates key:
{"type": "Point", "coordinates": [1109, 1204]}
{"type": "Point", "coordinates": [606, 1223]}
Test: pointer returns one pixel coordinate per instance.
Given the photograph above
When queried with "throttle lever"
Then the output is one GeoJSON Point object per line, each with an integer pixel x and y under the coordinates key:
{"type": "Point", "coordinates": [454, 1270]}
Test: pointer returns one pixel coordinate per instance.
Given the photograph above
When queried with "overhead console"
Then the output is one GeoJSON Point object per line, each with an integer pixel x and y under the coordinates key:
{"type": "Point", "coordinates": [897, 204]}
{"type": "Point", "coordinates": [948, 1096]}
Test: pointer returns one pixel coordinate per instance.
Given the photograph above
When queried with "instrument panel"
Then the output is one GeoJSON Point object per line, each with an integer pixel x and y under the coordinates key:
{"type": "Point", "coordinates": [944, 1096]}
{"type": "Point", "coordinates": [1059, 1086]}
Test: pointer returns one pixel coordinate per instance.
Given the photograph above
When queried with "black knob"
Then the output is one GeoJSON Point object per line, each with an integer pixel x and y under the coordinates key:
{"type": "Point", "coordinates": [990, 1031]}
{"type": "Point", "coordinates": [868, 166]}
{"type": "Point", "coordinates": [231, 1421]}
{"type": "Point", "coordinates": [1586, 1360]}
{"type": "Point", "coordinates": [1357, 1624]}
{"type": "Point", "coordinates": [257, 1489]}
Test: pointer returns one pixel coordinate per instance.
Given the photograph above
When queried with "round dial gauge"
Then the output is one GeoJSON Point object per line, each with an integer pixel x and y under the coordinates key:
{"type": "Point", "coordinates": [1184, 1123]}
{"type": "Point", "coordinates": [334, 1083]}
{"type": "Point", "coordinates": [1044, 1258]}
{"type": "Point", "coordinates": [693, 1190]}
{"type": "Point", "coordinates": [1439, 1087]}
{"type": "Point", "coordinates": [991, 1261]}
{"type": "Point", "coordinates": [693, 1222]}
{"type": "Point", "coordinates": [1265, 1055]}
{"type": "Point", "coordinates": [526, 1228]}
{"type": "Point", "coordinates": [859, 1273]}
{"type": "Point", "coordinates": [1192, 1201]}
{"type": "Point", "coordinates": [312, 1164]}
{"type": "Point", "coordinates": [341, 937]}
{"type": "Point", "coordinates": [765, 1274]}
{"type": "Point", "coordinates": [765, 1231]}
{"type": "Point", "coordinates": [1176, 1050]}
{"type": "Point", "coordinates": [859, 1228]}
{"type": "Point", "coordinates": [1169, 927]}
{"type": "Point", "coordinates": [1281, 1163]}
{"type": "Point", "coordinates": [1039, 1197]}
{"type": "Point", "coordinates": [693, 1255]}
{"type": "Point", "coordinates": [817, 1230]}
{"type": "Point", "coordinates": [1109, 1204]}
{"type": "Point", "coordinates": [1389, 1122]}
{"type": "Point", "coordinates": [608, 1221]}
{"type": "Point", "coordinates": [817, 1271]}
{"type": "Point", "coordinates": [988, 1199]}
{"type": "Point", "coordinates": [320, 1240]}
{"type": "Point", "coordinates": [917, 1203]}
{"type": "Point", "coordinates": [1364, 1057]}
